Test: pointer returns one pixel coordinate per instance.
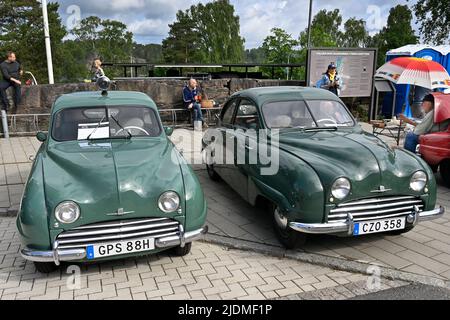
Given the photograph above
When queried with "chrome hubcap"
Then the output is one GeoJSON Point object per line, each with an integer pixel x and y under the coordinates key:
{"type": "Point", "coordinates": [281, 220]}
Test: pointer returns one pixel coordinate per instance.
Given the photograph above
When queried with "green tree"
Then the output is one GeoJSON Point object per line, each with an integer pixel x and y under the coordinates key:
{"type": "Point", "coordinates": [434, 17]}
{"type": "Point", "coordinates": [324, 30]}
{"type": "Point", "coordinates": [255, 55]}
{"type": "Point", "coordinates": [107, 39]}
{"type": "Point", "coordinates": [182, 45]}
{"type": "Point", "coordinates": [22, 31]}
{"type": "Point", "coordinates": [397, 33]}
{"type": "Point", "coordinates": [355, 34]}
{"type": "Point", "coordinates": [151, 53]}
{"type": "Point", "coordinates": [279, 47]}
{"type": "Point", "coordinates": [207, 33]}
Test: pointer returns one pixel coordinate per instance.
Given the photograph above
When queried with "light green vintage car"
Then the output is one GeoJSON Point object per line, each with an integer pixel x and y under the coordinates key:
{"type": "Point", "coordinates": [108, 183]}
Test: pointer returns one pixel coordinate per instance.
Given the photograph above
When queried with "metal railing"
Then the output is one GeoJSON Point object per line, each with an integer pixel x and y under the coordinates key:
{"type": "Point", "coordinates": [39, 122]}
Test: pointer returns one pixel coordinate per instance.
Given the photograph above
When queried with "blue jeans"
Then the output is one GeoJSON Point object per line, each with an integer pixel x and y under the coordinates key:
{"type": "Point", "coordinates": [411, 142]}
{"type": "Point", "coordinates": [198, 116]}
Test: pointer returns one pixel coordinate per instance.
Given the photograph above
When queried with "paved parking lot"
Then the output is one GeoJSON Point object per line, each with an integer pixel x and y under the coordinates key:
{"type": "Point", "coordinates": [424, 251]}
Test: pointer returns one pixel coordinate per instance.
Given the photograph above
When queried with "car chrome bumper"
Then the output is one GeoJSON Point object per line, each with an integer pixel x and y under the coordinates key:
{"type": "Point", "coordinates": [348, 226]}
{"type": "Point", "coordinates": [58, 255]}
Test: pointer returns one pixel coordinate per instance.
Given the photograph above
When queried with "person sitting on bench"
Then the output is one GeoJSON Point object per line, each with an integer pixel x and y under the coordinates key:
{"type": "Point", "coordinates": [191, 99]}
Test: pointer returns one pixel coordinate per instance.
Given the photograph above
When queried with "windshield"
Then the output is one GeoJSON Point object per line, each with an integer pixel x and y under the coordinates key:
{"type": "Point", "coordinates": [116, 122]}
{"type": "Point", "coordinates": [306, 114]}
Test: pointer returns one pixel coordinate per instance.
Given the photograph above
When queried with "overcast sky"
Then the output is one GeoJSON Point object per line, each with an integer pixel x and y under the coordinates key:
{"type": "Point", "coordinates": [149, 19]}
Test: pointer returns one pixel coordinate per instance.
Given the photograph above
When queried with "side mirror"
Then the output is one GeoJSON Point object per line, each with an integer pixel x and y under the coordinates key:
{"type": "Point", "coordinates": [41, 136]}
{"type": "Point", "coordinates": [219, 121]}
{"type": "Point", "coordinates": [168, 130]}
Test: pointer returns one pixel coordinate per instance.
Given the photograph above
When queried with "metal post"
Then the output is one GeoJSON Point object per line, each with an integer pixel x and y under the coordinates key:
{"type": "Point", "coordinates": [310, 22]}
{"type": "Point", "coordinates": [48, 47]}
{"type": "Point", "coordinates": [5, 124]}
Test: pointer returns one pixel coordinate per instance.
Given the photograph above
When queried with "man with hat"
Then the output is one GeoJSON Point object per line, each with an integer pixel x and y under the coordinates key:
{"type": "Point", "coordinates": [426, 126]}
{"type": "Point", "coordinates": [330, 80]}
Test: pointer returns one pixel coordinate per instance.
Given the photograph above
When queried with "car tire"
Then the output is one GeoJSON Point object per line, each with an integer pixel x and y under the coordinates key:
{"type": "Point", "coordinates": [212, 173]}
{"type": "Point", "coordinates": [182, 251]}
{"type": "Point", "coordinates": [290, 238]}
{"type": "Point", "coordinates": [45, 267]}
{"type": "Point", "coordinates": [445, 172]}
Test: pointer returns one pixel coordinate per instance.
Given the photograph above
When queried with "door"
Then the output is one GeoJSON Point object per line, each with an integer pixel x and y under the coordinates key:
{"type": "Point", "coordinates": [246, 126]}
{"type": "Point", "coordinates": [221, 154]}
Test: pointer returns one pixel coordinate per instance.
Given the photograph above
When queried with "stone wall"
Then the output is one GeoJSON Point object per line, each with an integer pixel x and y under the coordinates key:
{"type": "Point", "coordinates": [165, 92]}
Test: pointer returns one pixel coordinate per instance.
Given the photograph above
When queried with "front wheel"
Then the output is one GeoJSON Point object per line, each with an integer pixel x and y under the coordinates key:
{"type": "Point", "coordinates": [290, 238]}
{"type": "Point", "coordinates": [45, 267]}
{"type": "Point", "coordinates": [182, 251]}
{"type": "Point", "coordinates": [445, 172]}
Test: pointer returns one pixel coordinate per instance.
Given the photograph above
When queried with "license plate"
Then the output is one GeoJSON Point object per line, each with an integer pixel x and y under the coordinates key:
{"type": "Point", "coordinates": [119, 248]}
{"type": "Point", "coordinates": [376, 226]}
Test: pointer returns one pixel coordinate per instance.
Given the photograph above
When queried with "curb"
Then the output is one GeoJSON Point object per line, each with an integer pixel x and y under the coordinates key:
{"type": "Point", "coordinates": [340, 264]}
{"type": "Point", "coordinates": [8, 212]}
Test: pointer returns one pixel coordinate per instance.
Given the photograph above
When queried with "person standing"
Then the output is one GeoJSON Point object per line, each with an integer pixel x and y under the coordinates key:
{"type": "Point", "coordinates": [191, 99]}
{"type": "Point", "coordinates": [330, 80]}
{"type": "Point", "coordinates": [11, 71]}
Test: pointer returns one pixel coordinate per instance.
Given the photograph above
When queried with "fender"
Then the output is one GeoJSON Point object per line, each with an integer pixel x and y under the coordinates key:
{"type": "Point", "coordinates": [32, 220]}
{"type": "Point", "coordinates": [196, 207]}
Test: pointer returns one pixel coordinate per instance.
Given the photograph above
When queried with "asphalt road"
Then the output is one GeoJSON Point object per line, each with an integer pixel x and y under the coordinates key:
{"type": "Point", "coordinates": [409, 292]}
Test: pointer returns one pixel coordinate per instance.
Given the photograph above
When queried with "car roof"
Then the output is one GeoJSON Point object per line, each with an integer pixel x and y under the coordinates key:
{"type": "Point", "coordinates": [262, 95]}
{"type": "Point", "coordinates": [96, 99]}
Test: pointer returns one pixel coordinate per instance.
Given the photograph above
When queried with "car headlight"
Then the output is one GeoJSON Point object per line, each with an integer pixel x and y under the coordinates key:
{"type": "Point", "coordinates": [169, 202]}
{"type": "Point", "coordinates": [341, 188]}
{"type": "Point", "coordinates": [67, 212]}
{"type": "Point", "coordinates": [418, 181]}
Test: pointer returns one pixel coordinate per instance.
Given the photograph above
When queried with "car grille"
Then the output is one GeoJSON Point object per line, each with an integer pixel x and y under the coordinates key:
{"type": "Point", "coordinates": [376, 208]}
{"type": "Point", "coordinates": [117, 231]}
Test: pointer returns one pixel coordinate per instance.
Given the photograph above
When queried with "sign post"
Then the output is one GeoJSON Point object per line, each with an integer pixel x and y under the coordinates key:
{"type": "Point", "coordinates": [5, 124]}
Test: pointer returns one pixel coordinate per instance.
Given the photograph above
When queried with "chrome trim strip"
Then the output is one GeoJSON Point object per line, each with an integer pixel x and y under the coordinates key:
{"type": "Point", "coordinates": [72, 234]}
{"type": "Point", "coordinates": [368, 213]}
{"type": "Point", "coordinates": [431, 215]}
{"type": "Point", "coordinates": [120, 223]}
{"type": "Point", "coordinates": [378, 206]}
{"type": "Point", "coordinates": [118, 236]}
{"type": "Point", "coordinates": [376, 200]}
{"type": "Point", "coordinates": [374, 218]}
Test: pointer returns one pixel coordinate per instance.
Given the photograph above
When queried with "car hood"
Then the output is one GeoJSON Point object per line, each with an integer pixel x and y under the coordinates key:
{"type": "Point", "coordinates": [366, 160]}
{"type": "Point", "coordinates": [105, 176]}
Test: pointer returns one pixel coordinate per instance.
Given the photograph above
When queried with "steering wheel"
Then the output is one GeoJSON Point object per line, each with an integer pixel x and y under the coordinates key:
{"type": "Point", "coordinates": [332, 121]}
{"type": "Point", "coordinates": [132, 128]}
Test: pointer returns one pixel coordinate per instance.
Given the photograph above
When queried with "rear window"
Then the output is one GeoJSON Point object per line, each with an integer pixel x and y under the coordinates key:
{"type": "Point", "coordinates": [103, 123]}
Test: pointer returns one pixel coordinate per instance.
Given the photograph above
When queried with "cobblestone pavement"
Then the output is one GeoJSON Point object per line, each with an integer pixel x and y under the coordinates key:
{"type": "Point", "coordinates": [208, 272]}
{"type": "Point", "coordinates": [424, 251]}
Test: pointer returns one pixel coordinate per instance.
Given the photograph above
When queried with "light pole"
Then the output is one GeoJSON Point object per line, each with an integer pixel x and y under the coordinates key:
{"type": "Point", "coordinates": [48, 47]}
{"type": "Point", "coordinates": [310, 22]}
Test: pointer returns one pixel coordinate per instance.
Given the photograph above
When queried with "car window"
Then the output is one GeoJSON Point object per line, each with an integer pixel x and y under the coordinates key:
{"type": "Point", "coordinates": [329, 113]}
{"type": "Point", "coordinates": [247, 115]}
{"type": "Point", "coordinates": [228, 112]}
{"type": "Point", "coordinates": [287, 114]}
{"type": "Point", "coordinates": [102, 123]}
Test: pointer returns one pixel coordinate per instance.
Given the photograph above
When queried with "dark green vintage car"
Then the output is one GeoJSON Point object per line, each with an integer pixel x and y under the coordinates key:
{"type": "Point", "coordinates": [300, 153]}
{"type": "Point", "coordinates": [108, 183]}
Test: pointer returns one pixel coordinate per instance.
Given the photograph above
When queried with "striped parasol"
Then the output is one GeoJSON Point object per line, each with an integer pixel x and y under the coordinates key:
{"type": "Point", "coordinates": [415, 71]}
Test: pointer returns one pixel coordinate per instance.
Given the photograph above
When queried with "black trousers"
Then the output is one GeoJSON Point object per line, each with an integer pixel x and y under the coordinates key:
{"type": "Point", "coordinates": [4, 85]}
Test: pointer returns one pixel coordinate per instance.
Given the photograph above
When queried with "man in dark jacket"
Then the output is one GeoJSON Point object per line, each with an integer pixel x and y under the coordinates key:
{"type": "Point", "coordinates": [11, 71]}
{"type": "Point", "coordinates": [191, 99]}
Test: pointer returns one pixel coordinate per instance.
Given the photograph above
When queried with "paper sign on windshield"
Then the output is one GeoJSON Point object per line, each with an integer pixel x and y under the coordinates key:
{"type": "Point", "coordinates": [93, 131]}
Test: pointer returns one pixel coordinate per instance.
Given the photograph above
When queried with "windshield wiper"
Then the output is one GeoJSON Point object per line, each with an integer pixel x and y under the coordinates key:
{"type": "Point", "coordinates": [334, 128]}
{"type": "Point", "coordinates": [95, 130]}
{"type": "Point", "coordinates": [121, 127]}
